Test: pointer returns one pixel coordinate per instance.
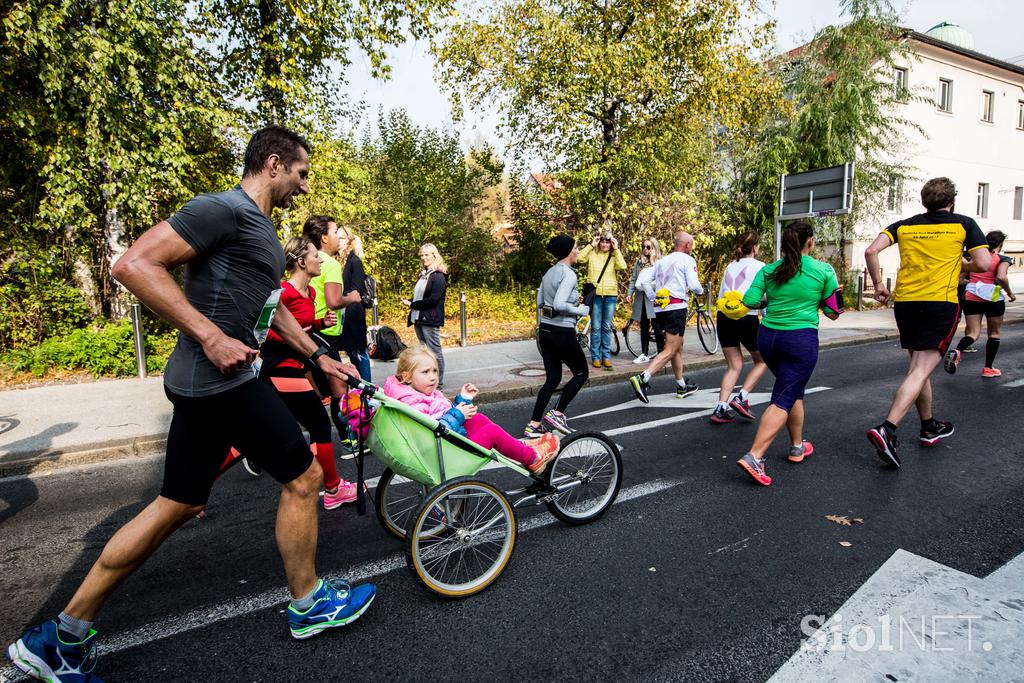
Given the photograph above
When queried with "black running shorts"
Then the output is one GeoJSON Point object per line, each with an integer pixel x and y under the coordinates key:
{"type": "Point", "coordinates": [733, 333]}
{"type": "Point", "coordinates": [251, 417]}
{"type": "Point", "coordinates": [989, 309]}
{"type": "Point", "coordinates": [672, 322]}
{"type": "Point", "coordinates": [926, 325]}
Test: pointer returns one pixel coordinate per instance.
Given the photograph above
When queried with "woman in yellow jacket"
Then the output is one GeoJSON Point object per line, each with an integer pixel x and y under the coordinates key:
{"type": "Point", "coordinates": [603, 260]}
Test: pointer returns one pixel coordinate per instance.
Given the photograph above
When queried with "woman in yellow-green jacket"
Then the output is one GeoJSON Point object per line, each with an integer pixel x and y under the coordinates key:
{"type": "Point", "coordinates": [603, 260]}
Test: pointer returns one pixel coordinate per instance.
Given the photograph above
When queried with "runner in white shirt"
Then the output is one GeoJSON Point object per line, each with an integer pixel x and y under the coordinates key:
{"type": "Point", "coordinates": [732, 334]}
{"type": "Point", "coordinates": [676, 272]}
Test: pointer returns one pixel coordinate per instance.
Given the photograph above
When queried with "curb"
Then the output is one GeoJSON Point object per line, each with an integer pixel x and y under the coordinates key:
{"type": "Point", "coordinates": [143, 446]}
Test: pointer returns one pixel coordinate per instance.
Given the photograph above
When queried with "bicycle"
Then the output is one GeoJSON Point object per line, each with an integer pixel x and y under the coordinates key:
{"type": "Point", "coordinates": [705, 329]}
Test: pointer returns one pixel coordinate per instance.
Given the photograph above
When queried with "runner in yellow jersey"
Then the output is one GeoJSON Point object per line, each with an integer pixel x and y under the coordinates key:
{"type": "Point", "coordinates": [925, 303]}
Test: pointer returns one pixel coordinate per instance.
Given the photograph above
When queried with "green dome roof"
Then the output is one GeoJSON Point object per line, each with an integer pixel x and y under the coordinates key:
{"type": "Point", "coordinates": [953, 34]}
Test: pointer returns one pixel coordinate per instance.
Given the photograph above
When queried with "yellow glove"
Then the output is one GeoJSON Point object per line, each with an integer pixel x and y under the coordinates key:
{"type": "Point", "coordinates": [662, 297]}
{"type": "Point", "coordinates": [731, 305]}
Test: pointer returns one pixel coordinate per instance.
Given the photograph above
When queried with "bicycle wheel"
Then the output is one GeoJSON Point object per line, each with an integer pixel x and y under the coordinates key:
{"type": "Point", "coordinates": [477, 543]}
{"type": "Point", "coordinates": [631, 334]}
{"type": "Point", "coordinates": [706, 331]}
{"type": "Point", "coordinates": [593, 460]}
{"type": "Point", "coordinates": [396, 500]}
{"type": "Point", "coordinates": [615, 341]}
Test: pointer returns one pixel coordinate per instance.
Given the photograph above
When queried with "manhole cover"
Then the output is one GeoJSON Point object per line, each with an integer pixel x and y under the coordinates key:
{"type": "Point", "coordinates": [529, 372]}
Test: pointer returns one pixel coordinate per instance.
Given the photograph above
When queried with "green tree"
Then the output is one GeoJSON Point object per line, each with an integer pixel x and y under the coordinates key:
{"type": "Point", "coordinates": [115, 119]}
{"type": "Point", "coordinates": [846, 107]}
{"type": "Point", "coordinates": [425, 188]}
{"type": "Point", "coordinates": [620, 96]}
{"type": "Point", "coordinates": [286, 57]}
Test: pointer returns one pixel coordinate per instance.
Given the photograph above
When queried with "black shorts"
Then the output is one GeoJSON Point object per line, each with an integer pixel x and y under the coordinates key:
{"type": "Point", "coordinates": [732, 333]}
{"type": "Point", "coordinates": [251, 417]}
{"type": "Point", "coordinates": [926, 325]}
{"type": "Point", "coordinates": [672, 322]}
{"type": "Point", "coordinates": [989, 309]}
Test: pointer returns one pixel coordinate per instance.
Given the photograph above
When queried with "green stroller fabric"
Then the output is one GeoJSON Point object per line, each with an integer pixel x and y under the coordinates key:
{"type": "Point", "coordinates": [403, 439]}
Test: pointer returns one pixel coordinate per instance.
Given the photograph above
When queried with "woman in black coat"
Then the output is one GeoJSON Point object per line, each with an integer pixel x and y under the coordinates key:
{"type": "Point", "coordinates": [426, 312]}
{"type": "Point", "coordinates": [353, 329]}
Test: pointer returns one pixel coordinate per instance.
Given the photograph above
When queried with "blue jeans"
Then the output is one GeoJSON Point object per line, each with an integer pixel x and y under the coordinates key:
{"type": "Point", "coordinates": [601, 315]}
{"type": "Point", "coordinates": [361, 360]}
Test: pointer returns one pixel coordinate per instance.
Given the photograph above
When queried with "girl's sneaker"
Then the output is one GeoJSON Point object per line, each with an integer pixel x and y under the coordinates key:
{"type": "Point", "coordinates": [991, 372]}
{"type": "Point", "coordinates": [558, 421]}
{"type": "Point", "coordinates": [755, 468]}
{"type": "Point", "coordinates": [798, 453]}
{"type": "Point", "coordinates": [346, 493]}
{"type": "Point", "coordinates": [534, 432]}
{"type": "Point", "coordinates": [546, 448]}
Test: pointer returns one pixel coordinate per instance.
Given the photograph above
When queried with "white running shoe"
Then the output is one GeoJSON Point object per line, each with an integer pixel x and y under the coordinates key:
{"type": "Point", "coordinates": [641, 359]}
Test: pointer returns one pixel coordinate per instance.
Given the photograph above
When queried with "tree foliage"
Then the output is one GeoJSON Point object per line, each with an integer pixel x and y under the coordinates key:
{"type": "Point", "coordinates": [286, 57]}
{"type": "Point", "coordinates": [846, 106]}
{"type": "Point", "coordinates": [621, 96]}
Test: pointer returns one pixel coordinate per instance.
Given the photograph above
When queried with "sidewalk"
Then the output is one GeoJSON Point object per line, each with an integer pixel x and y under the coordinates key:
{"type": "Point", "coordinates": [63, 424]}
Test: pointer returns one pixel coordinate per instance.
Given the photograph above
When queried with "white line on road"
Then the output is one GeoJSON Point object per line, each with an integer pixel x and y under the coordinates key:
{"type": "Point", "coordinates": [1015, 383]}
{"type": "Point", "coordinates": [678, 418]}
{"type": "Point", "coordinates": [205, 616]}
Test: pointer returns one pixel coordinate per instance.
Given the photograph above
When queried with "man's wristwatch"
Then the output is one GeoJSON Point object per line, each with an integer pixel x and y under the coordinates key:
{"type": "Point", "coordinates": [321, 351]}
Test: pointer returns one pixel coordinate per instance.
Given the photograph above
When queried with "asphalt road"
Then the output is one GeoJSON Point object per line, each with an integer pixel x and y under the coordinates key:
{"type": "Point", "coordinates": [699, 575]}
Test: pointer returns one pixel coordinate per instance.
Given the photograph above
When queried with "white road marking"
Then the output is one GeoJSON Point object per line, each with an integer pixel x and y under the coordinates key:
{"type": "Point", "coordinates": [704, 398]}
{"type": "Point", "coordinates": [679, 418]}
{"type": "Point", "coordinates": [276, 597]}
{"type": "Point", "coordinates": [1014, 383]}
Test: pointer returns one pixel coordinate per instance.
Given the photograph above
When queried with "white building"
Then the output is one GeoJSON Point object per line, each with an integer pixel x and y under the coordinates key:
{"type": "Point", "coordinates": [974, 120]}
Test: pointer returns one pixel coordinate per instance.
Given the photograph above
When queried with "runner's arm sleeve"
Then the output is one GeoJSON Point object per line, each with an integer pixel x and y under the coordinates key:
{"type": "Point", "coordinates": [563, 302]}
{"type": "Point", "coordinates": [756, 291]}
{"type": "Point", "coordinates": [975, 238]}
{"type": "Point", "coordinates": [892, 232]}
{"type": "Point", "coordinates": [692, 281]}
{"type": "Point", "coordinates": [205, 223]}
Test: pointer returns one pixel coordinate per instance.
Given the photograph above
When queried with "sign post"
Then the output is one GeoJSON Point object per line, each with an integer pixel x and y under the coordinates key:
{"type": "Point", "coordinates": [812, 194]}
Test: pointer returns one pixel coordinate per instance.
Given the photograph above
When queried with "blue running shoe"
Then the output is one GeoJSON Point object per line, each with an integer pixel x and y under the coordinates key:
{"type": "Point", "coordinates": [335, 604]}
{"type": "Point", "coordinates": [42, 654]}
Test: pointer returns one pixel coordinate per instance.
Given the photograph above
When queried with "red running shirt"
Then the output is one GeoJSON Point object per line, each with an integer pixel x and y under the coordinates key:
{"type": "Point", "coordinates": [304, 310]}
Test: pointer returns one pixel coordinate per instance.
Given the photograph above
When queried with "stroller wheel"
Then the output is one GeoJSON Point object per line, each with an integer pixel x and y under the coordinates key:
{"type": "Point", "coordinates": [461, 537]}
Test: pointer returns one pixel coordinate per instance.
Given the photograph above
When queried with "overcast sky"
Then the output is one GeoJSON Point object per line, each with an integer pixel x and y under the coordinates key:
{"type": "Point", "coordinates": [996, 29]}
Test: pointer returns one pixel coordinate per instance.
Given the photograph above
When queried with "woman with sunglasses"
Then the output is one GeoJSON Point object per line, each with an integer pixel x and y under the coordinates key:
{"type": "Point", "coordinates": [603, 259]}
{"type": "Point", "coordinates": [643, 306]}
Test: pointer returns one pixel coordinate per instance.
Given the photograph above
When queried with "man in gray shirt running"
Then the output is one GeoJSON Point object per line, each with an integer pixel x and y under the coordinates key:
{"type": "Point", "coordinates": [233, 267]}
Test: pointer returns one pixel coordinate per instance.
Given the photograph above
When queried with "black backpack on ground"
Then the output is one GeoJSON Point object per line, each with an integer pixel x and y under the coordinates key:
{"type": "Point", "coordinates": [384, 343]}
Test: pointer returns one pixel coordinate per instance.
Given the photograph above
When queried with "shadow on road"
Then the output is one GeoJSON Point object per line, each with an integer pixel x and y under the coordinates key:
{"type": "Point", "coordinates": [37, 443]}
{"type": "Point", "coordinates": [19, 494]}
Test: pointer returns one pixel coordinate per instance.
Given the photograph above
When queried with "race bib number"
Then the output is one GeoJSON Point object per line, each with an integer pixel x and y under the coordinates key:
{"type": "Point", "coordinates": [262, 327]}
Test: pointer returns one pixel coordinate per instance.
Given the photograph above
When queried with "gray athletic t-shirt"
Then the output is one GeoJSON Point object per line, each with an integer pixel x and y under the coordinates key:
{"type": "Point", "coordinates": [238, 267]}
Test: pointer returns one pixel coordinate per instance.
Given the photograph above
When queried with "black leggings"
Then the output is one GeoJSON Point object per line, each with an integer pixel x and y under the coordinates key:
{"type": "Point", "coordinates": [646, 326]}
{"type": "Point", "coordinates": [558, 346]}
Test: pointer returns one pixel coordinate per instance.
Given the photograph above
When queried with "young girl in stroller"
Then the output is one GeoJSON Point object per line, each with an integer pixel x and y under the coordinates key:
{"type": "Point", "coordinates": [415, 384]}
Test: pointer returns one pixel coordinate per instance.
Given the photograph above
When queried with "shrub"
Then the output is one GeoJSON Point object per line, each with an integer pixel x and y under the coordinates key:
{"type": "Point", "coordinates": [103, 350]}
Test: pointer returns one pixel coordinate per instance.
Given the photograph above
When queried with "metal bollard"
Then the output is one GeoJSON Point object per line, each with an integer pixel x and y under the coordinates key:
{"type": "Point", "coordinates": [140, 343]}
{"type": "Point", "coordinates": [374, 315]}
{"type": "Point", "coordinates": [462, 318]}
{"type": "Point", "coordinates": [888, 288]}
{"type": "Point", "coordinates": [860, 291]}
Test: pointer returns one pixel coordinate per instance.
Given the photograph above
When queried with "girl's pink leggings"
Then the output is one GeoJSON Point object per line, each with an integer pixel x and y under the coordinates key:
{"type": "Point", "coordinates": [481, 431]}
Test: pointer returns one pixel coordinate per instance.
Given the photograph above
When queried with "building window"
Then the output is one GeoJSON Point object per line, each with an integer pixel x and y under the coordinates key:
{"type": "Point", "coordinates": [1020, 114]}
{"type": "Point", "coordinates": [982, 211]}
{"type": "Point", "coordinates": [894, 198]}
{"type": "Point", "coordinates": [988, 99]}
{"type": "Point", "coordinates": [945, 101]}
{"type": "Point", "coordinates": [1018, 203]}
{"type": "Point", "coordinates": [900, 78]}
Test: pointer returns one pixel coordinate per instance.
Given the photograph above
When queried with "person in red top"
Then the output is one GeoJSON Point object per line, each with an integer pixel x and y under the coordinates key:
{"type": "Point", "coordinates": [286, 370]}
{"type": "Point", "coordinates": [986, 295]}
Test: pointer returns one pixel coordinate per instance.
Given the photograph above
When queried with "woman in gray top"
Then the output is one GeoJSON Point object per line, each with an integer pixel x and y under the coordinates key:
{"type": "Point", "coordinates": [558, 299]}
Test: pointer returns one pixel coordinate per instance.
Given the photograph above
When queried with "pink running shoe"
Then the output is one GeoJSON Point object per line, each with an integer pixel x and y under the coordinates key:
{"type": "Point", "coordinates": [991, 372]}
{"type": "Point", "coordinates": [346, 493]}
{"type": "Point", "coordinates": [546, 448]}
